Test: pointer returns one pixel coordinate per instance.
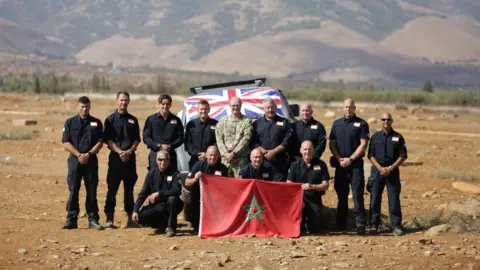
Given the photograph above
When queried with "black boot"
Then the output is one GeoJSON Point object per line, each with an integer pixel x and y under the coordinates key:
{"type": "Point", "coordinates": [69, 225]}
{"type": "Point", "coordinates": [93, 221]}
{"type": "Point", "coordinates": [131, 223]}
{"type": "Point", "coordinates": [109, 223]}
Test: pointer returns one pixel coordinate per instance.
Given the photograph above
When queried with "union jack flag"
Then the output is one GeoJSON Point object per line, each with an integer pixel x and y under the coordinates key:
{"type": "Point", "coordinates": [252, 102]}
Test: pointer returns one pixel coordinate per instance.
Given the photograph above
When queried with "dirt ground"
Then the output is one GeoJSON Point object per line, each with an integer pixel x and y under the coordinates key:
{"type": "Point", "coordinates": [33, 193]}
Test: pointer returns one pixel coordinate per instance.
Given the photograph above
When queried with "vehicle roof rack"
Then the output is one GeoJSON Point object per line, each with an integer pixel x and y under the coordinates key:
{"type": "Point", "coordinates": [202, 88]}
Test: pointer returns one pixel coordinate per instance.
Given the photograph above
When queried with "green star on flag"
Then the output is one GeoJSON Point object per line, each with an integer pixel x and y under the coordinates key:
{"type": "Point", "coordinates": [254, 210]}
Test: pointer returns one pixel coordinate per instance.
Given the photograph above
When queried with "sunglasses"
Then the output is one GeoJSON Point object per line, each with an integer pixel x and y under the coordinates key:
{"type": "Point", "coordinates": [386, 119]}
{"type": "Point", "coordinates": [162, 159]}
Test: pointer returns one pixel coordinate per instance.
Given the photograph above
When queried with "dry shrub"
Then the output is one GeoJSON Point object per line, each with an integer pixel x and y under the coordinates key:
{"type": "Point", "coordinates": [450, 174]}
{"type": "Point", "coordinates": [457, 222]}
{"type": "Point", "coordinates": [18, 134]}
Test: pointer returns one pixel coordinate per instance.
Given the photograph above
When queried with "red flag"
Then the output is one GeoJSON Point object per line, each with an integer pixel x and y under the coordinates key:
{"type": "Point", "coordinates": [233, 207]}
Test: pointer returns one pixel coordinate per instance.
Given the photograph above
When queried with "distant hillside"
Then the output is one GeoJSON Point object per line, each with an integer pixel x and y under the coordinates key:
{"type": "Point", "coordinates": [351, 40]}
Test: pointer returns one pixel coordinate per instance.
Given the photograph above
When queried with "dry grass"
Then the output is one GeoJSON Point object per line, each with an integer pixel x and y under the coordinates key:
{"type": "Point", "coordinates": [454, 175]}
{"type": "Point", "coordinates": [18, 134]}
{"type": "Point", "coordinates": [457, 222]}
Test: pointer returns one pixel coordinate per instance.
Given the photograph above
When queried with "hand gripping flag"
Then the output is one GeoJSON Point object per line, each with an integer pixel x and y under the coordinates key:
{"type": "Point", "coordinates": [233, 207]}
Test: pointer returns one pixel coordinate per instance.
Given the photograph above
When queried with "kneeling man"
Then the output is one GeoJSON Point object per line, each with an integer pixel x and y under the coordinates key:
{"type": "Point", "coordinates": [259, 169]}
{"type": "Point", "coordinates": [210, 165]}
{"type": "Point", "coordinates": [313, 173]}
{"type": "Point", "coordinates": [163, 189]}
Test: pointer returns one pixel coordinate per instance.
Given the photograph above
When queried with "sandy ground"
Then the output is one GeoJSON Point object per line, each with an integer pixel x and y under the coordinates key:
{"type": "Point", "coordinates": [33, 193]}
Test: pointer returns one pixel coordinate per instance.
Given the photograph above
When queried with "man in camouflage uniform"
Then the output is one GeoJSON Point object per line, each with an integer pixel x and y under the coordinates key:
{"type": "Point", "coordinates": [233, 135]}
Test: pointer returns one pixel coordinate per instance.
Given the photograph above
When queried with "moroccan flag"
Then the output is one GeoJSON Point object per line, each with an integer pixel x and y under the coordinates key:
{"type": "Point", "coordinates": [232, 207]}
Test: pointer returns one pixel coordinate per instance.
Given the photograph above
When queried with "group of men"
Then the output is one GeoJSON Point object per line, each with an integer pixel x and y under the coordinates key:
{"type": "Point", "coordinates": [270, 148]}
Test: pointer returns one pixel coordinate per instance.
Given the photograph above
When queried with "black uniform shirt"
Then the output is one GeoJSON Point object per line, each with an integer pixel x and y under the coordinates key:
{"type": "Point", "coordinates": [217, 169]}
{"type": "Point", "coordinates": [300, 173]}
{"type": "Point", "coordinates": [266, 172]}
{"type": "Point", "coordinates": [271, 133]}
{"type": "Point", "coordinates": [387, 148]}
{"type": "Point", "coordinates": [199, 135]}
{"type": "Point", "coordinates": [312, 131]}
{"type": "Point", "coordinates": [159, 130]}
{"type": "Point", "coordinates": [83, 134]}
{"type": "Point", "coordinates": [165, 183]}
{"type": "Point", "coordinates": [122, 129]}
{"type": "Point", "coordinates": [347, 133]}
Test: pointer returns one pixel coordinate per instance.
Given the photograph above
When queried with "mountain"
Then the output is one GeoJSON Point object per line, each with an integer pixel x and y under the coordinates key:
{"type": "Point", "coordinates": [354, 40]}
{"type": "Point", "coordinates": [19, 40]}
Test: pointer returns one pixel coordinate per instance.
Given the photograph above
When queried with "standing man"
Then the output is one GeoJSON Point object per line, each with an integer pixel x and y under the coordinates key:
{"type": "Point", "coordinates": [163, 189]}
{"type": "Point", "coordinates": [313, 174]}
{"type": "Point", "coordinates": [308, 129]}
{"type": "Point", "coordinates": [212, 166]}
{"type": "Point", "coordinates": [163, 131]}
{"type": "Point", "coordinates": [233, 134]}
{"type": "Point", "coordinates": [272, 135]}
{"type": "Point", "coordinates": [122, 135]}
{"type": "Point", "coordinates": [387, 151]}
{"type": "Point", "coordinates": [82, 138]}
{"type": "Point", "coordinates": [259, 169]}
{"type": "Point", "coordinates": [200, 134]}
{"type": "Point", "coordinates": [348, 141]}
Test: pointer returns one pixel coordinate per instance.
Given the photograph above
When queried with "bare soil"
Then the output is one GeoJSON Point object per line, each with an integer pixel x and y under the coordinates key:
{"type": "Point", "coordinates": [33, 193]}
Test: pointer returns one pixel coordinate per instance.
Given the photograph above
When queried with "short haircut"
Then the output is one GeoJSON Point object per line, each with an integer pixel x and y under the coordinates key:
{"type": "Point", "coordinates": [269, 101]}
{"type": "Point", "coordinates": [163, 152]}
{"type": "Point", "coordinates": [203, 102]}
{"type": "Point", "coordinates": [164, 96]}
{"type": "Point", "coordinates": [83, 100]}
{"type": "Point", "coordinates": [123, 93]}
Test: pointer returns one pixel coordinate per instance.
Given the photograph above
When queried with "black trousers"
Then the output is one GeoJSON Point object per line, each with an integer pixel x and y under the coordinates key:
{"type": "Point", "coordinates": [157, 214]}
{"type": "Point", "coordinates": [311, 214]}
{"type": "Point", "coordinates": [89, 173]}
{"type": "Point", "coordinates": [194, 211]}
{"type": "Point", "coordinates": [118, 171]}
{"type": "Point", "coordinates": [344, 177]}
{"type": "Point", "coordinates": [280, 163]}
{"type": "Point", "coordinates": [152, 160]}
{"type": "Point", "coordinates": [394, 187]}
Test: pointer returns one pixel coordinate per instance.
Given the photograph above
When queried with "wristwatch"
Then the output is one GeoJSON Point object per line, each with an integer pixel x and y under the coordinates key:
{"type": "Point", "coordinates": [390, 167]}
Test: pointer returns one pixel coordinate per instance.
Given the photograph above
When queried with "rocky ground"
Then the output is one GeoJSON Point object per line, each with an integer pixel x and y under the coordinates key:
{"type": "Point", "coordinates": [33, 191]}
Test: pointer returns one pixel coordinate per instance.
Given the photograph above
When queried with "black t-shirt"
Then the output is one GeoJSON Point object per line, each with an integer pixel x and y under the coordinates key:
{"type": "Point", "coordinates": [313, 131]}
{"type": "Point", "coordinates": [315, 174]}
{"type": "Point", "coordinates": [266, 172]}
{"type": "Point", "coordinates": [271, 133]}
{"type": "Point", "coordinates": [202, 166]}
{"type": "Point", "coordinates": [165, 183]}
{"type": "Point", "coordinates": [122, 129]}
{"type": "Point", "coordinates": [83, 134]}
{"type": "Point", "coordinates": [387, 148]}
{"type": "Point", "coordinates": [348, 133]}
{"type": "Point", "coordinates": [200, 135]}
{"type": "Point", "coordinates": [159, 130]}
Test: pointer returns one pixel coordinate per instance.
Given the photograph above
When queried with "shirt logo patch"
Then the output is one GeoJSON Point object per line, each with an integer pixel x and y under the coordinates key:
{"type": "Point", "coordinates": [265, 175]}
{"type": "Point", "coordinates": [94, 124]}
{"type": "Point", "coordinates": [174, 122]}
{"type": "Point", "coordinates": [189, 174]}
{"type": "Point", "coordinates": [169, 178]}
{"type": "Point", "coordinates": [395, 139]}
{"type": "Point", "coordinates": [313, 126]}
{"type": "Point", "coordinates": [131, 121]}
{"type": "Point", "coordinates": [63, 130]}
{"type": "Point", "coordinates": [218, 173]}
{"type": "Point", "coordinates": [213, 127]}
{"type": "Point", "coordinates": [356, 124]}
{"type": "Point", "coordinates": [316, 167]}
{"type": "Point", "coordinates": [280, 124]}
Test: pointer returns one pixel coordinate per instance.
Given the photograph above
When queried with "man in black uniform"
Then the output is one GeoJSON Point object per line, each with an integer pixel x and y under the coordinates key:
{"type": "Point", "coordinates": [200, 133]}
{"type": "Point", "coordinates": [308, 129]}
{"type": "Point", "coordinates": [348, 141]}
{"type": "Point", "coordinates": [122, 135]}
{"type": "Point", "coordinates": [313, 173]}
{"type": "Point", "coordinates": [163, 131]}
{"type": "Point", "coordinates": [162, 185]}
{"type": "Point", "coordinates": [212, 166]}
{"type": "Point", "coordinates": [272, 135]}
{"type": "Point", "coordinates": [387, 151]}
{"type": "Point", "coordinates": [259, 169]}
{"type": "Point", "coordinates": [83, 139]}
